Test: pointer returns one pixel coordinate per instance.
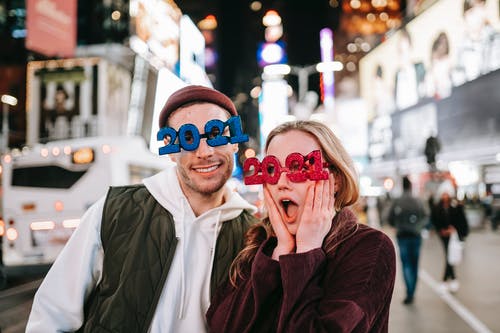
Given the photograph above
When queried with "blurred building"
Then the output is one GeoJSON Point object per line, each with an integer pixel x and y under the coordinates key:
{"type": "Point", "coordinates": [132, 54]}
{"type": "Point", "coordinates": [430, 90]}
{"type": "Point", "coordinates": [99, 67]}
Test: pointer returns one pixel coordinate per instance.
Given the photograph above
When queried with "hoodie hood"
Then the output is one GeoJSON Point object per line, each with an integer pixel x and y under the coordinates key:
{"type": "Point", "coordinates": [165, 188]}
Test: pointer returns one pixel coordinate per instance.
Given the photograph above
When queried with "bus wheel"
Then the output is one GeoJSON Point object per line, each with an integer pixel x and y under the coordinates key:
{"type": "Point", "coordinates": [3, 279]}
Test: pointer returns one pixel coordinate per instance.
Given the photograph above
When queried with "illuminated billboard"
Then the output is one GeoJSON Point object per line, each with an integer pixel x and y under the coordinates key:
{"type": "Point", "coordinates": [51, 27]}
{"type": "Point", "coordinates": [273, 107]}
{"type": "Point", "coordinates": [447, 45]}
{"type": "Point", "coordinates": [155, 29]}
{"type": "Point", "coordinates": [192, 54]}
{"type": "Point", "coordinates": [75, 98]}
{"type": "Point", "coordinates": [418, 81]}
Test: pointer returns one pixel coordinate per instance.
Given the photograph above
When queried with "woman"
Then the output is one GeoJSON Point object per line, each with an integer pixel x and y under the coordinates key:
{"type": "Point", "coordinates": [447, 216]}
{"type": "Point", "coordinates": [309, 266]}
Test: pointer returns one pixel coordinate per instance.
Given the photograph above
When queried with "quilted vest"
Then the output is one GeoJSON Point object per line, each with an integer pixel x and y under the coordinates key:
{"type": "Point", "coordinates": [139, 242]}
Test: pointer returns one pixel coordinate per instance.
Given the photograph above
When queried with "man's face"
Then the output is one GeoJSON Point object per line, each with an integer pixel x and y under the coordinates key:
{"type": "Point", "coordinates": [206, 169]}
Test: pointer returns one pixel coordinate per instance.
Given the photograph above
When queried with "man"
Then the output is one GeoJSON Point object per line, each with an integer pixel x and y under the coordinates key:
{"type": "Point", "coordinates": [408, 215]}
{"type": "Point", "coordinates": [147, 257]}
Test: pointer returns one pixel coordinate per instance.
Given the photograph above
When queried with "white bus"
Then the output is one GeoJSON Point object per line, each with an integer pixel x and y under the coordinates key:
{"type": "Point", "coordinates": [48, 188]}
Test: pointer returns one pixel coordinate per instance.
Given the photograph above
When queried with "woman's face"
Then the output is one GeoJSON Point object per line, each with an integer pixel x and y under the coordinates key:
{"type": "Point", "coordinates": [287, 195]}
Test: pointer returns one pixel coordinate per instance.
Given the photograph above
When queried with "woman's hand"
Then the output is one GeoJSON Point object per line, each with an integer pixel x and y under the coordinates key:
{"type": "Point", "coordinates": [286, 241]}
{"type": "Point", "coordinates": [448, 231]}
{"type": "Point", "coordinates": [316, 215]}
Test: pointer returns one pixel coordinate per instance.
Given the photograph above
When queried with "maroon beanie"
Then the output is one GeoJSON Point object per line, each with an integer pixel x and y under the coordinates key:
{"type": "Point", "coordinates": [193, 93]}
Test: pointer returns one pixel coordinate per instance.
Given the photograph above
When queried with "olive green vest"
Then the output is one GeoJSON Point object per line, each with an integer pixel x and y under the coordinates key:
{"type": "Point", "coordinates": [139, 242]}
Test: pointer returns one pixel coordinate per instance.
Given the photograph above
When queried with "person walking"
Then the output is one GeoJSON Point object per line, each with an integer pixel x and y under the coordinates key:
{"type": "Point", "coordinates": [448, 216]}
{"type": "Point", "coordinates": [310, 266]}
{"type": "Point", "coordinates": [146, 258]}
{"type": "Point", "coordinates": [408, 215]}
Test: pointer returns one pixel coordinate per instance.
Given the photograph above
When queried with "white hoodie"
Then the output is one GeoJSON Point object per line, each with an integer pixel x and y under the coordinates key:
{"type": "Point", "coordinates": [58, 303]}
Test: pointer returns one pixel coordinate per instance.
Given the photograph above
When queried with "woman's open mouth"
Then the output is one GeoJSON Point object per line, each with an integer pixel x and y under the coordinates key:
{"type": "Point", "coordinates": [290, 208]}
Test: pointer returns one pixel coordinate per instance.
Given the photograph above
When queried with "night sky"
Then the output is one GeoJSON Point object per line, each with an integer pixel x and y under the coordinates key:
{"type": "Point", "coordinates": [239, 33]}
{"type": "Point", "coordinates": [240, 30]}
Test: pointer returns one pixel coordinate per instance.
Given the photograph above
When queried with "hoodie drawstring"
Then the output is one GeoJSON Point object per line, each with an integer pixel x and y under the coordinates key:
{"type": "Point", "coordinates": [183, 268]}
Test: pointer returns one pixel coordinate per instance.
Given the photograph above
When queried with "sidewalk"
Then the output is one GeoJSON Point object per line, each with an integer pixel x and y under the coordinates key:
{"type": "Point", "coordinates": [474, 308]}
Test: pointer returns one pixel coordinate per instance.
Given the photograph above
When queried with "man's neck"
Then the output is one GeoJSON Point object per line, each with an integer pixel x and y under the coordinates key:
{"type": "Point", "coordinates": [201, 203]}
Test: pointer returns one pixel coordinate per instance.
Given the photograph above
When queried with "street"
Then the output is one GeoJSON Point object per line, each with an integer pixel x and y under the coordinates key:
{"type": "Point", "coordinates": [15, 304]}
{"type": "Point", "coordinates": [474, 308]}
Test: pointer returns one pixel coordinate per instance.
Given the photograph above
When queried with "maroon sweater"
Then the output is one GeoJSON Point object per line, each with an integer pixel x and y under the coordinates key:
{"type": "Point", "coordinates": [349, 290]}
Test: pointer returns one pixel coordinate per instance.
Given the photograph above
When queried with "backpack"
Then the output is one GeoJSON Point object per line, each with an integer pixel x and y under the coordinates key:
{"type": "Point", "coordinates": [408, 216]}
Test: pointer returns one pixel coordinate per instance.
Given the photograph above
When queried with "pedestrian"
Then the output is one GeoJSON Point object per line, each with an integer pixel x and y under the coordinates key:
{"type": "Point", "coordinates": [310, 266]}
{"type": "Point", "coordinates": [408, 215]}
{"type": "Point", "coordinates": [448, 216]}
{"type": "Point", "coordinates": [146, 258]}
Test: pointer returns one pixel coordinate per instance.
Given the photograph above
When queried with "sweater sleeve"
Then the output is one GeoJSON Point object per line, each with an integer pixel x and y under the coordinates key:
{"type": "Point", "coordinates": [58, 305]}
{"type": "Point", "coordinates": [241, 309]}
{"type": "Point", "coordinates": [353, 296]}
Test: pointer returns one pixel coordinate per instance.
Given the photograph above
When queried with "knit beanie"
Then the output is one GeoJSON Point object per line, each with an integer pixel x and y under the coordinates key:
{"type": "Point", "coordinates": [194, 93]}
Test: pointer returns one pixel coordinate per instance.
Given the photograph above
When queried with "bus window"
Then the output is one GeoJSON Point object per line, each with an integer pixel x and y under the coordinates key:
{"type": "Point", "coordinates": [50, 176]}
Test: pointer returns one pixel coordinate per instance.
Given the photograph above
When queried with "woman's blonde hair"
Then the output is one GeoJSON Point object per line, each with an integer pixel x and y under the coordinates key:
{"type": "Point", "coordinates": [340, 164]}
